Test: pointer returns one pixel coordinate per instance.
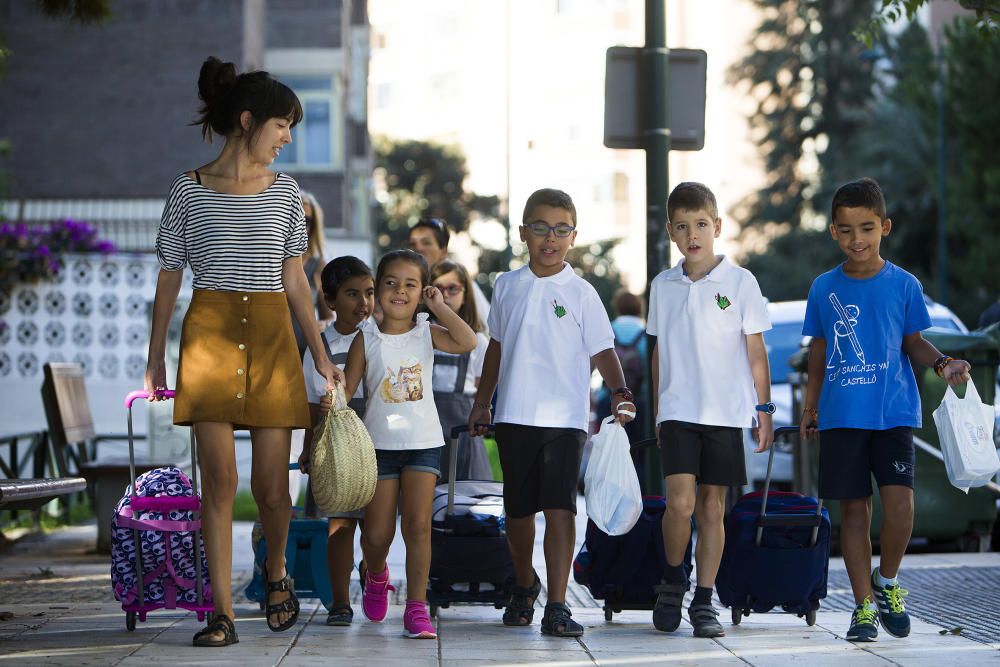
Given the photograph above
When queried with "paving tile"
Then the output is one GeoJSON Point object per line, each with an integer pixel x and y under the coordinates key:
{"type": "Point", "coordinates": [708, 653]}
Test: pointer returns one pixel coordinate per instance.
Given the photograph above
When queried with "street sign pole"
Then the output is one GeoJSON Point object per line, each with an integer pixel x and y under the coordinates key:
{"type": "Point", "coordinates": [656, 143]}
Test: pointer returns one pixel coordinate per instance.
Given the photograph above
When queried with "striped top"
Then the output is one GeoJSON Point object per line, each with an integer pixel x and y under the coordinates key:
{"type": "Point", "coordinates": [232, 242]}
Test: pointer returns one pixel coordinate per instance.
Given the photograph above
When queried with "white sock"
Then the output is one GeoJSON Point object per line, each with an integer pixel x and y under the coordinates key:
{"type": "Point", "coordinates": [882, 581]}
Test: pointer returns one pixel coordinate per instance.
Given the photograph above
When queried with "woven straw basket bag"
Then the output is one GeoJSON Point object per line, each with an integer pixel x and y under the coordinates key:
{"type": "Point", "coordinates": [343, 467]}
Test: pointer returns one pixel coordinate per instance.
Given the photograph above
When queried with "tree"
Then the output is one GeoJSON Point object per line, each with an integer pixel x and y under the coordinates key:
{"type": "Point", "coordinates": [427, 179]}
{"type": "Point", "coordinates": [888, 11]}
{"type": "Point", "coordinates": [813, 92]}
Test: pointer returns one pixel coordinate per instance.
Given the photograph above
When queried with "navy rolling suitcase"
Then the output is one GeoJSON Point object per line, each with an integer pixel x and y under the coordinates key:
{"type": "Point", "coordinates": [777, 552]}
{"type": "Point", "coordinates": [470, 559]}
{"type": "Point", "coordinates": [622, 570]}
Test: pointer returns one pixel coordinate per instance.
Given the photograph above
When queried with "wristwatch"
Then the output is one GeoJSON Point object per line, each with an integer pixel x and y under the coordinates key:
{"type": "Point", "coordinates": [625, 393]}
{"type": "Point", "coordinates": [766, 407]}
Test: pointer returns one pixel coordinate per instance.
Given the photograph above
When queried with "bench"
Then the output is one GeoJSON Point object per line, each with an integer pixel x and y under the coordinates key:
{"type": "Point", "coordinates": [74, 441]}
{"type": "Point", "coordinates": [30, 494]}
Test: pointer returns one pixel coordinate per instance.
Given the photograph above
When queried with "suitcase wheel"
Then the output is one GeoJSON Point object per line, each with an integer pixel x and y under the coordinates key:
{"type": "Point", "coordinates": [434, 611]}
{"type": "Point", "coordinates": [737, 615]}
{"type": "Point", "coordinates": [608, 613]}
{"type": "Point", "coordinates": [811, 617]}
{"type": "Point", "coordinates": [130, 621]}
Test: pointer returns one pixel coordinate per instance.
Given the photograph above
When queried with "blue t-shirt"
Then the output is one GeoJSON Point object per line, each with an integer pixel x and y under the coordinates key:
{"type": "Point", "coordinates": [868, 381]}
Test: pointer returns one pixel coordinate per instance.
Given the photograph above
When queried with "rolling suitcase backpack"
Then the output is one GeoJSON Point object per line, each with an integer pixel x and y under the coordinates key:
{"type": "Point", "coordinates": [622, 570]}
{"type": "Point", "coordinates": [777, 552]}
{"type": "Point", "coordinates": [157, 551]}
{"type": "Point", "coordinates": [470, 559]}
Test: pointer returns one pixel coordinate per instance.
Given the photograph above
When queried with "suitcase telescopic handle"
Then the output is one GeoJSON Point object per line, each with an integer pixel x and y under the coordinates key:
{"type": "Point", "coordinates": [763, 519]}
{"type": "Point", "coordinates": [453, 460]}
{"type": "Point", "coordinates": [142, 393]}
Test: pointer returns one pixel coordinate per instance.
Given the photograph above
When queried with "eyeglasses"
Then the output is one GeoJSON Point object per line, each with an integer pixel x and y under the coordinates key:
{"type": "Point", "coordinates": [451, 290]}
{"type": "Point", "coordinates": [542, 229]}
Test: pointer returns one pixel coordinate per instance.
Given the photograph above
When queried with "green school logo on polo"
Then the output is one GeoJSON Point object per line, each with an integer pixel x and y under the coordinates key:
{"type": "Point", "coordinates": [722, 302]}
{"type": "Point", "coordinates": [557, 309]}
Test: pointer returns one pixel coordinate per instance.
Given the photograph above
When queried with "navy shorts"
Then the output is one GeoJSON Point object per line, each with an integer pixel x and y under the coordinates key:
{"type": "Point", "coordinates": [392, 462]}
{"type": "Point", "coordinates": [848, 457]}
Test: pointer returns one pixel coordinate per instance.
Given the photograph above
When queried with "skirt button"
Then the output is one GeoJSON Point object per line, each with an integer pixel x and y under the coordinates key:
{"type": "Point", "coordinates": [246, 298]}
{"type": "Point", "coordinates": [242, 346]}
{"type": "Point", "coordinates": [239, 395]}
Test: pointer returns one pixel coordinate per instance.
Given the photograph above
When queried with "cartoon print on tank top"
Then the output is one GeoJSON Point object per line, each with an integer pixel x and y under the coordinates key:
{"type": "Point", "coordinates": [403, 385]}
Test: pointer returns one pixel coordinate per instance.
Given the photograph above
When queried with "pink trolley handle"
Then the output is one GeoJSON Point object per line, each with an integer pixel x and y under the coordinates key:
{"type": "Point", "coordinates": [142, 393]}
{"type": "Point", "coordinates": [158, 503]}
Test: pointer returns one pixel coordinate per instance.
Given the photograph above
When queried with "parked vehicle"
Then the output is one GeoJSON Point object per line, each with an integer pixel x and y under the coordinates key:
{"type": "Point", "coordinates": [784, 340]}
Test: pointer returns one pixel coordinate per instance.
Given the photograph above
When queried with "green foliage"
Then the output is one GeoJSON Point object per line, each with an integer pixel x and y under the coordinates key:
{"type": "Point", "coordinates": [425, 179]}
{"type": "Point", "coordinates": [787, 267]}
{"type": "Point", "coordinates": [889, 11]}
{"type": "Point", "coordinates": [593, 263]}
{"type": "Point", "coordinates": [813, 87]}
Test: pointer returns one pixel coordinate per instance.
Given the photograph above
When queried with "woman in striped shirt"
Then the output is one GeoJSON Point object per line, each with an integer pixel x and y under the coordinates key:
{"type": "Point", "coordinates": [241, 228]}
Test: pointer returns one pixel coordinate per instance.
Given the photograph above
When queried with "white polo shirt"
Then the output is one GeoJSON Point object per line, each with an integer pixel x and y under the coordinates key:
{"type": "Point", "coordinates": [548, 329]}
{"type": "Point", "coordinates": [701, 329]}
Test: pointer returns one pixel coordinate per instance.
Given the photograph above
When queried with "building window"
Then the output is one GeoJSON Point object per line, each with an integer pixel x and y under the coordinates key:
{"type": "Point", "coordinates": [314, 140]}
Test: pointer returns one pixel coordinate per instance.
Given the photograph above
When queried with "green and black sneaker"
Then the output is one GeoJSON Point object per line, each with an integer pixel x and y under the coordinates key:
{"type": "Point", "coordinates": [891, 610]}
{"type": "Point", "coordinates": [864, 623]}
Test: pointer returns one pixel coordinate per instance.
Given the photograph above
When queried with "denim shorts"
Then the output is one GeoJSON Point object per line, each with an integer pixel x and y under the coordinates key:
{"type": "Point", "coordinates": [392, 462]}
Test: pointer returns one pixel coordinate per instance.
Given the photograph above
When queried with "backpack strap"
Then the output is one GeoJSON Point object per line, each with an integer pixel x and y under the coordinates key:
{"type": "Point", "coordinates": [461, 361]}
{"type": "Point", "coordinates": [340, 359]}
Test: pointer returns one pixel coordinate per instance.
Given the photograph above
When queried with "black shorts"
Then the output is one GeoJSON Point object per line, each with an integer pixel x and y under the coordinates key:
{"type": "Point", "coordinates": [541, 467]}
{"type": "Point", "coordinates": [848, 457]}
{"type": "Point", "coordinates": [713, 454]}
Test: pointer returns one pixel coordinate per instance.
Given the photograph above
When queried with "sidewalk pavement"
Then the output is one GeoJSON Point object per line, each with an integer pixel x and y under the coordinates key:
{"type": "Point", "coordinates": [56, 608]}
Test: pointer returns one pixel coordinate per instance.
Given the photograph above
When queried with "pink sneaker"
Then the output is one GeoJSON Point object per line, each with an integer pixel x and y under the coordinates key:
{"type": "Point", "coordinates": [417, 622]}
{"type": "Point", "coordinates": [375, 600]}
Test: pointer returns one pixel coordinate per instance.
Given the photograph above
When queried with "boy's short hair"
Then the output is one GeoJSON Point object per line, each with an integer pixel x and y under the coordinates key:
{"type": "Point", "coordinates": [548, 197]}
{"type": "Point", "coordinates": [626, 303]}
{"type": "Point", "coordinates": [339, 271]}
{"type": "Point", "coordinates": [439, 227]}
{"type": "Point", "coordinates": [864, 192]}
{"type": "Point", "coordinates": [410, 256]}
{"type": "Point", "coordinates": [691, 196]}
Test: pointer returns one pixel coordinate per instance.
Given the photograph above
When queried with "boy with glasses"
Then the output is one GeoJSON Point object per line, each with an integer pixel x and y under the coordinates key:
{"type": "Point", "coordinates": [547, 325]}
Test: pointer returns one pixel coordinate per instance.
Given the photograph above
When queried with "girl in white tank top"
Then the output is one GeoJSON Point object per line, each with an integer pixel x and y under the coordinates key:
{"type": "Point", "coordinates": [396, 360]}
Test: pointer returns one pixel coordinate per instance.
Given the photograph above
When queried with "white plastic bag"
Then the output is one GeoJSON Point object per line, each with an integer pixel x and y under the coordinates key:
{"type": "Point", "coordinates": [965, 429]}
{"type": "Point", "coordinates": [611, 485]}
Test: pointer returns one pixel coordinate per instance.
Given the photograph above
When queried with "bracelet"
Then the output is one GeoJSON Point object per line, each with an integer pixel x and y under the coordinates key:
{"type": "Point", "coordinates": [812, 412]}
{"type": "Point", "coordinates": [483, 406]}
{"type": "Point", "coordinates": [940, 364]}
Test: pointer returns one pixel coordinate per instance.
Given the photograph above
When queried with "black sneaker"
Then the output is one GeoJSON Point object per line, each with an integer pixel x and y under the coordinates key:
{"type": "Point", "coordinates": [667, 611]}
{"type": "Point", "coordinates": [891, 611]}
{"type": "Point", "coordinates": [864, 623]}
{"type": "Point", "coordinates": [705, 619]}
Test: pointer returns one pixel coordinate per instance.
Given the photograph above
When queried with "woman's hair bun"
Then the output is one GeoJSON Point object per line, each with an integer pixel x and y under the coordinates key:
{"type": "Point", "coordinates": [216, 80]}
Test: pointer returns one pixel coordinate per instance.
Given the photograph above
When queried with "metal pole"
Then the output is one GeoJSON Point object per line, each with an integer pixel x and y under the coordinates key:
{"type": "Point", "coordinates": [656, 143]}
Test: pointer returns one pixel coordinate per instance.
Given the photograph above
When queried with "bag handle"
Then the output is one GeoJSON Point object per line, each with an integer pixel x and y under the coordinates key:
{"type": "Point", "coordinates": [338, 396]}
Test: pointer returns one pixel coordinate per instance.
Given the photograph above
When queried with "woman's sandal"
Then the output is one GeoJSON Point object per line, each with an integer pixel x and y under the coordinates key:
{"type": "Point", "coordinates": [290, 605]}
{"type": "Point", "coordinates": [521, 608]}
{"type": "Point", "coordinates": [220, 624]}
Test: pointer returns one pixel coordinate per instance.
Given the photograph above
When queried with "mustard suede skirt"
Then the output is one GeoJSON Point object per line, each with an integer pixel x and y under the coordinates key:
{"type": "Point", "coordinates": [239, 362]}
